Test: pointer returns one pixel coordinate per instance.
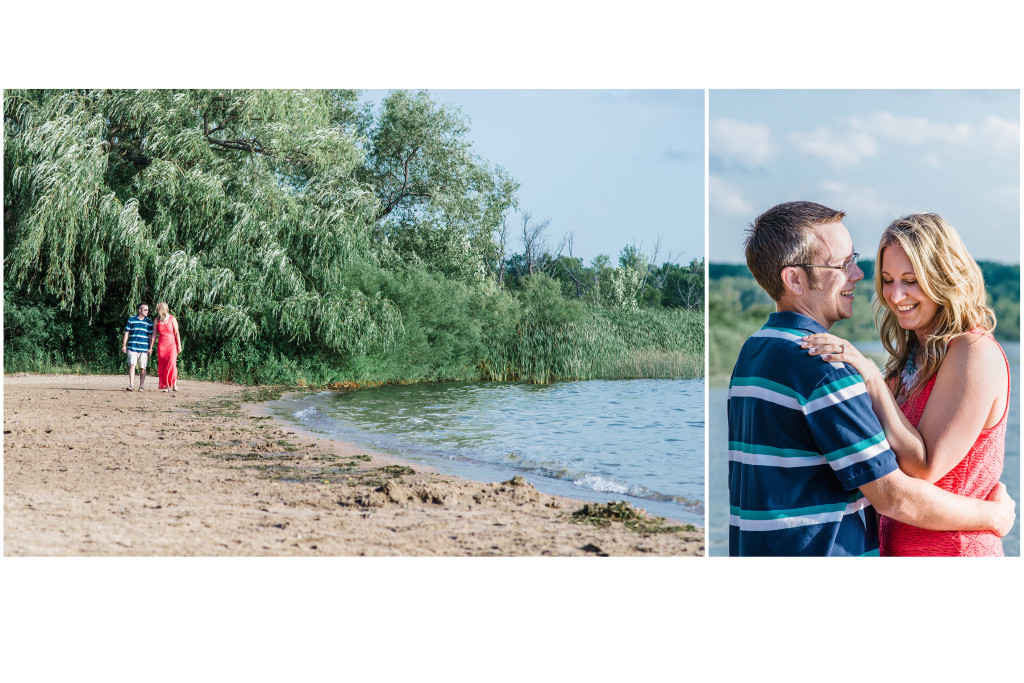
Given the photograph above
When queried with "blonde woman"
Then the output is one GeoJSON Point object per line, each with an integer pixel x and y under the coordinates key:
{"type": "Point", "coordinates": [944, 394]}
{"type": "Point", "coordinates": [168, 343]}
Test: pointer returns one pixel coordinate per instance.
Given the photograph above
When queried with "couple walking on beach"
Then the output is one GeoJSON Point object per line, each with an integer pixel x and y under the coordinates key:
{"type": "Point", "coordinates": [141, 334]}
{"type": "Point", "coordinates": [820, 439]}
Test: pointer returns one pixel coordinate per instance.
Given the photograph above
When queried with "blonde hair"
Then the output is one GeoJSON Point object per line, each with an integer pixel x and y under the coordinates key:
{"type": "Point", "coordinates": [162, 311]}
{"type": "Point", "coordinates": [948, 276]}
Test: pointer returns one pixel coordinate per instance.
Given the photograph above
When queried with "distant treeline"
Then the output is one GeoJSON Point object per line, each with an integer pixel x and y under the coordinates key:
{"type": "Point", "coordinates": [737, 307]}
{"type": "Point", "coordinates": [309, 237]}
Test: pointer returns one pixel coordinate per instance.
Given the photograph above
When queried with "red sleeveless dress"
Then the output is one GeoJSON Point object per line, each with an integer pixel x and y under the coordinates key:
{"type": "Point", "coordinates": [975, 476]}
{"type": "Point", "coordinates": [167, 351]}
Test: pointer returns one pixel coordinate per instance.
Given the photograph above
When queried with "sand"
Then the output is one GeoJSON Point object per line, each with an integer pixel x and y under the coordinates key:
{"type": "Point", "coordinates": [93, 470]}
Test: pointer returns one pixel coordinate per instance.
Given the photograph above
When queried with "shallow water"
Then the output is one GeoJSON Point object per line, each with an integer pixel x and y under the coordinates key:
{"type": "Point", "coordinates": [718, 467]}
{"type": "Point", "coordinates": [636, 440]}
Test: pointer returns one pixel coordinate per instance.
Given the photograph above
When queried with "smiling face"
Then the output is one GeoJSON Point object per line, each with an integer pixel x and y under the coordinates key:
{"type": "Point", "coordinates": [832, 300]}
{"type": "Point", "coordinates": [903, 294]}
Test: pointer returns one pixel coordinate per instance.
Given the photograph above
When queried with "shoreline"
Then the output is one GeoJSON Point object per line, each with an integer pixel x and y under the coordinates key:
{"type": "Point", "coordinates": [91, 469]}
{"type": "Point", "coordinates": [422, 464]}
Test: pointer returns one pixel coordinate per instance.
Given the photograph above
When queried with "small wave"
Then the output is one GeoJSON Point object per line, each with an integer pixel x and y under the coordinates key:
{"type": "Point", "coordinates": [694, 506]}
{"type": "Point", "coordinates": [596, 482]}
{"type": "Point", "coordinates": [305, 413]}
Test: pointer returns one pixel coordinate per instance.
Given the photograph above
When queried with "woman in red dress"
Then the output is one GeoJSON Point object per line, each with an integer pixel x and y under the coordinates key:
{"type": "Point", "coordinates": [945, 392]}
{"type": "Point", "coordinates": [168, 344]}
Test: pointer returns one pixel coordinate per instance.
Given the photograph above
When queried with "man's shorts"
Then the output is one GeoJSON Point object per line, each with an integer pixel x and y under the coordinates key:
{"type": "Point", "coordinates": [139, 358]}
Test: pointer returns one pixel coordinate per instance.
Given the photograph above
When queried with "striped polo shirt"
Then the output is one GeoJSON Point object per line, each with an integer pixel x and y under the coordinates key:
{"type": "Point", "coordinates": [138, 333]}
{"type": "Point", "coordinates": [802, 439]}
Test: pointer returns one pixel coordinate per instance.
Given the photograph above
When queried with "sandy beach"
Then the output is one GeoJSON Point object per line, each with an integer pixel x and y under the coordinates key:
{"type": "Point", "coordinates": [93, 470]}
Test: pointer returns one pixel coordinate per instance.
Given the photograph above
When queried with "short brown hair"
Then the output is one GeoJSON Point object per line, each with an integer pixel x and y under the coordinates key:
{"type": "Point", "coordinates": [782, 236]}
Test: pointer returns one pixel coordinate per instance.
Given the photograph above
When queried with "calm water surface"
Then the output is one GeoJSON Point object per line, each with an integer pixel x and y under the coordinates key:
{"type": "Point", "coordinates": [718, 467]}
{"type": "Point", "coordinates": [636, 440]}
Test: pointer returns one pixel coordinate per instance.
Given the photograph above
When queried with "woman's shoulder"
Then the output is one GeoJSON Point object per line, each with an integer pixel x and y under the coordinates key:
{"type": "Point", "coordinates": [979, 340]}
{"type": "Point", "coordinates": [976, 351]}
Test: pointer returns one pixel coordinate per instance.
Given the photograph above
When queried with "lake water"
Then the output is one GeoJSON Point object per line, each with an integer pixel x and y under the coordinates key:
{"type": "Point", "coordinates": [718, 467]}
{"type": "Point", "coordinates": [641, 441]}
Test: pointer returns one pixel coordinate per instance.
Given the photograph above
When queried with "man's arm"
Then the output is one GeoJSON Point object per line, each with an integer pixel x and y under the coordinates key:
{"type": "Point", "coordinates": [968, 387]}
{"type": "Point", "coordinates": [124, 343]}
{"type": "Point", "coordinates": [918, 503]}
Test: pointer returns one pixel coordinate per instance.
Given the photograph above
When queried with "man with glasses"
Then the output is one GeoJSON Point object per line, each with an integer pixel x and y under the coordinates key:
{"type": "Point", "coordinates": [137, 332]}
{"type": "Point", "coordinates": [809, 464]}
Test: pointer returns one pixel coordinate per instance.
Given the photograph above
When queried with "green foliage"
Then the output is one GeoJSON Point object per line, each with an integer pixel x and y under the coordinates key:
{"type": "Point", "coordinates": [558, 338]}
{"type": "Point", "coordinates": [442, 327]}
{"type": "Point", "coordinates": [1002, 281]}
{"type": "Point", "coordinates": [738, 307]}
{"type": "Point", "coordinates": [439, 204]}
{"type": "Point", "coordinates": [682, 287]}
{"type": "Point", "coordinates": [33, 336]}
{"type": "Point", "coordinates": [634, 284]}
{"type": "Point", "coordinates": [298, 237]}
{"type": "Point", "coordinates": [179, 196]}
{"type": "Point", "coordinates": [40, 337]}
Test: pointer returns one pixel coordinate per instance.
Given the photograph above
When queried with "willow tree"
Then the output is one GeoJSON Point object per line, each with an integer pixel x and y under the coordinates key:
{"type": "Point", "coordinates": [246, 210]}
{"type": "Point", "coordinates": [439, 203]}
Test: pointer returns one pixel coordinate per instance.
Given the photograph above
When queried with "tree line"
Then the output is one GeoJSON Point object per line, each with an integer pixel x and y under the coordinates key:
{"type": "Point", "coordinates": [635, 281]}
{"type": "Point", "coordinates": [307, 236]}
{"type": "Point", "coordinates": [737, 307]}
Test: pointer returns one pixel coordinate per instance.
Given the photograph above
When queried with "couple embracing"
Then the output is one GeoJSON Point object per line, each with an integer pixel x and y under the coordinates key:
{"type": "Point", "coordinates": [830, 456]}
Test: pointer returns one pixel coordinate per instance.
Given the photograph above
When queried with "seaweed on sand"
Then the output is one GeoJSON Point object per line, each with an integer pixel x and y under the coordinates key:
{"type": "Point", "coordinates": [632, 518]}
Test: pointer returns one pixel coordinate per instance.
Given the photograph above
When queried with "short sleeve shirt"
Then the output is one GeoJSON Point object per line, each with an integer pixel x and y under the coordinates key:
{"type": "Point", "coordinates": [138, 333]}
{"type": "Point", "coordinates": [802, 439]}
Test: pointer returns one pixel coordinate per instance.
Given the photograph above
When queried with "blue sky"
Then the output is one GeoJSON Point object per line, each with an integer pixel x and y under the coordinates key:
{"type": "Point", "coordinates": [875, 154]}
{"type": "Point", "coordinates": [613, 167]}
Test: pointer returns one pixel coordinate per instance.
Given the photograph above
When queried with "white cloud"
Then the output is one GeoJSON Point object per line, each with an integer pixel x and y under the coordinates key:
{"type": "Point", "coordinates": [912, 130]}
{"type": "Point", "coordinates": [1000, 137]}
{"type": "Point", "coordinates": [948, 144]}
{"type": "Point", "coordinates": [1002, 130]}
{"type": "Point", "coordinates": [742, 143]}
{"type": "Point", "coordinates": [727, 198]}
{"type": "Point", "coordinates": [839, 150]}
{"type": "Point", "coordinates": [858, 202]}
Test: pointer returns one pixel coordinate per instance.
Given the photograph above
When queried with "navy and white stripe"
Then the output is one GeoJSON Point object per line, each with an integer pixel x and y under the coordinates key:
{"type": "Point", "coordinates": [802, 439]}
{"type": "Point", "coordinates": [138, 333]}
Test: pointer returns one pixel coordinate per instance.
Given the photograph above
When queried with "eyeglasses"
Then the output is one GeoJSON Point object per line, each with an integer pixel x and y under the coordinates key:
{"type": "Point", "coordinates": [845, 266]}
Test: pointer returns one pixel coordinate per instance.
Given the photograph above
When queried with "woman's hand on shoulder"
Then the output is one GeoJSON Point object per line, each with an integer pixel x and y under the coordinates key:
{"type": "Point", "coordinates": [831, 348]}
